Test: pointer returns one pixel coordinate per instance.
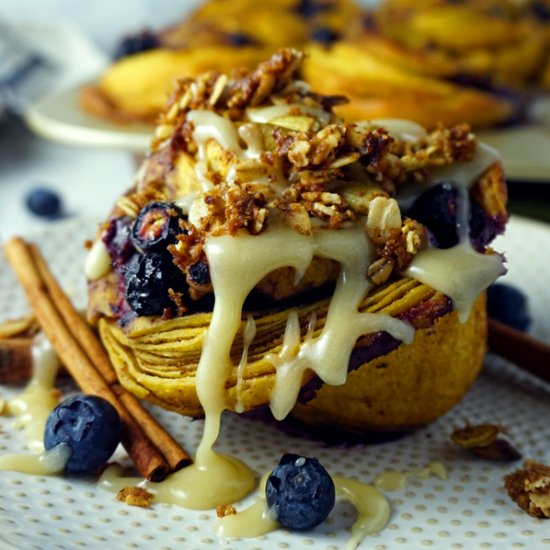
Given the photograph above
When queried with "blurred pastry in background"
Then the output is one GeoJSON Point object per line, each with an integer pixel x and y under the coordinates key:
{"type": "Point", "coordinates": [436, 61]}
{"type": "Point", "coordinates": [433, 61]}
{"type": "Point", "coordinates": [220, 35]}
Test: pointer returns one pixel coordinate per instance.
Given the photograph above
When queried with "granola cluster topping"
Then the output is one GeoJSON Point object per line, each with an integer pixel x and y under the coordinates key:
{"type": "Point", "coordinates": [236, 151]}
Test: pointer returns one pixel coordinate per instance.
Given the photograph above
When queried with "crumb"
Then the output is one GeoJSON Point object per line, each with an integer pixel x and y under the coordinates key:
{"type": "Point", "coordinates": [225, 510]}
{"type": "Point", "coordinates": [135, 496]}
{"type": "Point", "coordinates": [19, 328]}
{"type": "Point", "coordinates": [55, 393]}
{"type": "Point", "coordinates": [486, 441]}
{"type": "Point", "coordinates": [529, 488]}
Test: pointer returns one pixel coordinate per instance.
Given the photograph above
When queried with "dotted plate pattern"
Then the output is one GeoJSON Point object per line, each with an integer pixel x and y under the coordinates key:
{"type": "Point", "coordinates": [469, 510]}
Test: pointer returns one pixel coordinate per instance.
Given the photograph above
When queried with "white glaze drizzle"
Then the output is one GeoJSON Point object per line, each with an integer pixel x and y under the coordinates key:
{"type": "Point", "coordinates": [265, 115]}
{"type": "Point", "coordinates": [218, 479]}
{"type": "Point", "coordinates": [33, 406]}
{"type": "Point", "coordinates": [211, 126]}
{"type": "Point", "coordinates": [401, 129]}
{"type": "Point", "coordinates": [466, 173]}
{"type": "Point", "coordinates": [459, 272]}
{"type": "Point", "coordinates": [372, 506]}
{"type": "Point", "coordinates": [393, 480]}
{"type": "Point", "coordinates": [248, 336]}
{"type": "Point", "coordinates": [44, 463]}
{"type": "Point", "coordinates": [238, 263]}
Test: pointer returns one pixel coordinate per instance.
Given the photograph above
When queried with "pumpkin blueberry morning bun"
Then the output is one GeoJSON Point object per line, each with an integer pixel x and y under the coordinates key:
{"type": "Point", "coordinates": [271, 254]}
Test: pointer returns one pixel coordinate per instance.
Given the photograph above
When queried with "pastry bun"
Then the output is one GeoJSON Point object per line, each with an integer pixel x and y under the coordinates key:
{"type": "Point", "coordinates": [267, 248]}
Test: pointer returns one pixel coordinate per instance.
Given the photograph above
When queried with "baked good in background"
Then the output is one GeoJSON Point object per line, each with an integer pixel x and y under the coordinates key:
{"type": "Point", "coordinates": [437, 61]}
{"type": "Point", "coordinates": [219, 35]}
{"type": "Point", "coordinates": [262, 225]}
{"type": "Point", "coordinates": [431, 61]}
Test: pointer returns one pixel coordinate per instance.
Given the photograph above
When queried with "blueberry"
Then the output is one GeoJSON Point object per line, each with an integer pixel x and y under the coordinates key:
{"type": "Point", "coordinates": [142, 42]}
{"type": "Point", "coordinates": [199, 274]}
{"type": "Point", "coordinates": [44, 202]}
{"type": "Point", "coordinates": [483, 228]}
{"type": "Point", "coordinates": [156, 226]}
{"type": "Point", "coordinates": [117, 240]}
{"type": "Point", "coordinates": [437, 209]}
{"type": "Point", "coordinates": [91, 427]}
{"type": "Point", "coordinates": [239, 39]}
{"type": "Point", "coordinates": [311, 8]}
{"type": "Point", "coordinates": [508, 304]}
{"type": "Point", "coordinates": [541, 11]}
{"type": "Point", "coordinates": [324, 35]}
{"type": "Point", "coordinates": [148, 279]}
{"type": "Point", "coordinates": [300, 492]}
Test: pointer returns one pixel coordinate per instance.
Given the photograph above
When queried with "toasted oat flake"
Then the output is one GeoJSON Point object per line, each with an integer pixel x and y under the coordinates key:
{"type": "Point", "coordinates": [18, 327]}
{"type": "Point", "coordinates": [4, 408]}
{"type": "Point", "coordinates": [135, 496]}
{"type": "Point", "coordinates": [486, 441]}
{"type": "Point", "coordinates": [225, 510]}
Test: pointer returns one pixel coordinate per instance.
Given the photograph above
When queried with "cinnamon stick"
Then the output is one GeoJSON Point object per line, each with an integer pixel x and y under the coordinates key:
{"type": "Point", "coordinates": [523, 350]}
{"type": "Point", "coordinates": [174, 454]}
{"type": "Point", "coordinates": [148, 459]}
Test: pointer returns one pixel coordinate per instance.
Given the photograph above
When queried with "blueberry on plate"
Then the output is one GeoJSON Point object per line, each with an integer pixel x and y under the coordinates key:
{"type": "Point", "coordinates": [509, 305]}
{"type": "Point", "coordinates": [44, 202]}
{"type": "Point", "coordinates": [156, 226]}
{"type": "Point", "coordinates": [300, 492]}
{"type": "Point", "coordinates": [91, 427]}
{"type": "Point", "coordinates": [148, 280]}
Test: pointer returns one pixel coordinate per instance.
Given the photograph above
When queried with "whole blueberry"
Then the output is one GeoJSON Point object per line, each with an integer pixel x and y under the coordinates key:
{"type": "Point", "coordinates": [240, 39]}
{"type": "Point", "coordinates": [91, 427]}
{"type": "Point", "coordinates": [148, 280]}
{"type": "Point", "coordinates": [310, 8]}
{"type": "Point", "coordinates": [156, 226]}
{"type": "Point", "coordinates": [324, 35]}
{"type": "Point", "coordinates": [137, 43]}
{"type": "Point", "coordinates": [508, 304]}
{"type": "Point", "coordinates": [541, 11]}
{"type": "Point", "coordinates": [300, 492]}
{"type": "Point", "coordinates": [117, 240]}
{"type": "Point", "coordinates": [438, 208]}
{"type": "Point", "coordinates": [44, 202]}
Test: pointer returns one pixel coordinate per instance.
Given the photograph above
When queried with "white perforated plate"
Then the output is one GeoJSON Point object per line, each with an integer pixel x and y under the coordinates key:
{"type": "Point", "coordinates": [468, 510]}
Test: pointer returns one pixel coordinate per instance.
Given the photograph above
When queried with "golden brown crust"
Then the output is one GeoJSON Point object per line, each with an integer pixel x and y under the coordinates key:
{"type": "Point", "coordinates": [157, 360]}
{"type": "Point", "coordinates": [410, 386]}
